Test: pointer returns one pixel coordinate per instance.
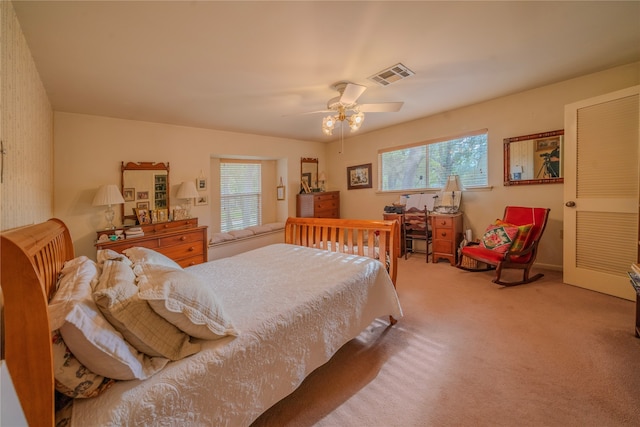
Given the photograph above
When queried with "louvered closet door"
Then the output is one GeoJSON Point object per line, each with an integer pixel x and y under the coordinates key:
{"type": "Point", "coordinates": [602, 138]}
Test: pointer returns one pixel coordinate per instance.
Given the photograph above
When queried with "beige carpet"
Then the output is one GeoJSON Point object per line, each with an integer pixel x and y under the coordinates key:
{"type": "Point", "coordinates": [470, 353]}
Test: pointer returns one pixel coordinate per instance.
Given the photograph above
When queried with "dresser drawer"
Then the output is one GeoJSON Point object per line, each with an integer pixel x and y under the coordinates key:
{"type": "Point", "coordinates": [443, 246]}
{"type": "Point", "coordinates": [327, 213]}
{"type": "Point", "coordinates": [323, 205]}
{"type": "Point", "coordinates": [187, 262]}
{"type": "Point", "coordinates": [442, 222]}
{"type": "Point", "coordinates": [184, 250]}
{"type": "Point", "coordinates": [195, 236]}
{"type": "Point", "coordinates": [443, 234]}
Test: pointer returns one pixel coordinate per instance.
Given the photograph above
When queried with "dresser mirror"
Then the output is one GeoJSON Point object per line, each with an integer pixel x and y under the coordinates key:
{"type": "Point", "coordinates": [534, 159]}
{"type": "Point", "coordinates": [309, 173]}
{"type": "Point", "coordinates": [145, 185]}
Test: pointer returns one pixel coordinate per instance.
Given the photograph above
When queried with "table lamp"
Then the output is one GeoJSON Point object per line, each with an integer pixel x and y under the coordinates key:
{"type": "Point", "coordinates": [322, 178]}
{"type": "Point", "coordinates": [188, 191]}
{"type": "Point", "coordinates": [453, 185]}
{"type": "Point", "coordinates": [108, 195]}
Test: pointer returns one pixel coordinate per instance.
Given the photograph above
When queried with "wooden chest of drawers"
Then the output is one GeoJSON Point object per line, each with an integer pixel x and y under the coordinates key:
{"type": "Point", "coordinates": [183, 241]}
{"type": "Point", "coordinates": [318, 205]}
{"type": "Point", "coordinates": [446, 236]}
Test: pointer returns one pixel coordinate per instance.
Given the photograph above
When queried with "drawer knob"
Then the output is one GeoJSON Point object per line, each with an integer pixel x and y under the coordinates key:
{"type": "Point", "coordinates": [183, 238]}
{"type": "Point", "coordinates": [191, 249]}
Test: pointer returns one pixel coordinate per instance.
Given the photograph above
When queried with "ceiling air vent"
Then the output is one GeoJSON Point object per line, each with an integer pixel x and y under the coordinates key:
{"type": "Point", "coordinates": [391, 75]}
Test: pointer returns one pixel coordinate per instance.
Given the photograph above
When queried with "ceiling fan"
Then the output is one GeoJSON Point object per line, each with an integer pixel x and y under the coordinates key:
{"type": "Point", "coordinates": [349, 110]}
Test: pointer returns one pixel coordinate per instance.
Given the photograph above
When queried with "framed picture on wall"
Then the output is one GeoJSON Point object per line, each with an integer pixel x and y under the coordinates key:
{"type": "Point", "coordinates": [201, 200]}
{"type": "Point", "coordinates": [359, 176]}
{"type": "Point", "coordinates": [129, 194]}
{"type": "Point", "coordinates": [201, 184]}
{"type": "Point", "coordinates": [280, 191]}
{"type": "Point", "coordinates": [143, 195]}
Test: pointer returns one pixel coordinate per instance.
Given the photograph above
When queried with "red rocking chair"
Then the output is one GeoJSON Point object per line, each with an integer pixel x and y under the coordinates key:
{"type": "Point", "coordinates": [530, 224]}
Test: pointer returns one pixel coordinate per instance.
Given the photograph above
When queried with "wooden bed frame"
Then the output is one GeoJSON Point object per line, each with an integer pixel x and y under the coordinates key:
{"type": "Point", "coordinates": [33, 256]}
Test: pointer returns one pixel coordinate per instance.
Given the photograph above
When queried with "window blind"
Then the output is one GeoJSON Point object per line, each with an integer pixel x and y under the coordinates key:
{"type": "Point", "coordinates": [240, 194]}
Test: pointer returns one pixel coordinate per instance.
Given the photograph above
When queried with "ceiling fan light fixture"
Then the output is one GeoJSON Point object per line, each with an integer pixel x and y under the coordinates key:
{"type": "Point", "coordinates": [355, 121]}
{"type": "Point", "coordinates": [328, 123]}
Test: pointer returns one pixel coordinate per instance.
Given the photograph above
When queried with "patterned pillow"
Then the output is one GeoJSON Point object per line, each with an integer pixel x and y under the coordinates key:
{"type": "Point", "coordinates": [72, 378]}
{"type": "Point", "coordinates": [499, 238]}
{"type": "Point", "coordinates": [521, 237]}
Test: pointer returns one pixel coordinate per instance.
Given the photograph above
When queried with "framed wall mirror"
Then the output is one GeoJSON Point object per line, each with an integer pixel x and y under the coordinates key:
{"type": "Point", "coordinates": [145, 185]}
{"type": "Point", "coordinates": [534, 159]}
{"type": "Point", "coordinates": [309, 172]}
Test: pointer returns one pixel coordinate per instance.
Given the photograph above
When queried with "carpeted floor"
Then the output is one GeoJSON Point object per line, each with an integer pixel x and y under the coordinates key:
{"type": "Point", "coordinates": [470, 353]}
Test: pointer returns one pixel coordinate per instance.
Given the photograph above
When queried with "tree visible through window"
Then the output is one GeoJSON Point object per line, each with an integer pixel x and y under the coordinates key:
{"type": "Point", "coordinates": [427, 165]}
{"type": "Point", "coordinates": [240, 194]}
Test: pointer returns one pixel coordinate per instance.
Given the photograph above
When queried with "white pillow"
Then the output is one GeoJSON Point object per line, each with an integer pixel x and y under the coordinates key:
{"type": "Point", "coordinates": [140, 254]}
{"type": "Point", "coordinates": [259, 229]}
{"type": "Point", "coordinates": [89, 336]}
{"type": "Point", "coordinates": [117, 297]}
{"type": "Point", "coordinates": [185, 301]}
{"type": "Point", "coordinates": [275, 225]}
{"type": "Point", "coordinates": [221, 237]}
{"type": "Point", "coordinates": [72, 378]}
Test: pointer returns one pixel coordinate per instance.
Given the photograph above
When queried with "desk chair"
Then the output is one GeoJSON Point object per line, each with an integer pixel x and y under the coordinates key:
{"type": "Point", "coordinates": [416, 228]}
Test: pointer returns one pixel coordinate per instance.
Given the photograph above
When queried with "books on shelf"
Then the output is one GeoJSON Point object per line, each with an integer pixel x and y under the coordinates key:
{"type": "Point", "coordinates": [134, 232]}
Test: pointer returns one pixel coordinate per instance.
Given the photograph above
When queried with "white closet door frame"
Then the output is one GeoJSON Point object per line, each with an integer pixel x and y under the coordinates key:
{"type": "Point", "coordinates": [601, 181]}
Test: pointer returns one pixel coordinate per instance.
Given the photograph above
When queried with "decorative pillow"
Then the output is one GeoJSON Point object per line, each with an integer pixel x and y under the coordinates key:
{"type": "Point", "coordinates": [184, 300]}
{"type": "Point", "coordinates": [258, 229]}
{"type": "Point", "coordinates": [221, 237]}
{"type": "Point", "coordinates": [241, 233]}
{"type": "Point", "coordinates": [89, 336]}
{"type": "Point", "coordinates": [72, 378]}
{"type": "Point", "coordinates": [140, 254]}
{"type": "Point", "coordinates": [521, 238]}
{"type": "Point", "coordinates": [275, 225]}
{"type": "Point", "coordinates": [117, 297]}
{"type": "Point", "coordinates": [499, 238]}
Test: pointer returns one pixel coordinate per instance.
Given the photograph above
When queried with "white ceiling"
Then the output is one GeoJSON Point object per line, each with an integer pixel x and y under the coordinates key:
{"type": "Point", "coordinates": [254, 66]}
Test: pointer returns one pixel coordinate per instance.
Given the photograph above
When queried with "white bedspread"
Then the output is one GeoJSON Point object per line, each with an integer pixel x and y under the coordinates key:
{"type": "Point", "coordinates": [294, 308]}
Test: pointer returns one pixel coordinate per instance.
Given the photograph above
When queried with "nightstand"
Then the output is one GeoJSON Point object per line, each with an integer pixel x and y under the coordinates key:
{"type": "Point", "coordinates": [446, 236]}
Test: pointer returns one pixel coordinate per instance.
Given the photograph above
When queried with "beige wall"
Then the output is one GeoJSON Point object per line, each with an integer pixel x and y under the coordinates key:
{"type": "Point", "coordinates": [525, 113]}
{"type": "Point", "coordinates": [89, 151]}
{"type": "Point", "coordinates": [26, 129]}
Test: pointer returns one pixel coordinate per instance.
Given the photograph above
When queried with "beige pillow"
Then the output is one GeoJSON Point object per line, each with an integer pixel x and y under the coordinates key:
{"type": "Point", "coordinates": [184, 300]}
{"type": "Point", "coordinates": [140, 254]}
{"type": "Point", "coordinates": [117, 297]}
{"type": "Point", "coordinates": [89, 336]}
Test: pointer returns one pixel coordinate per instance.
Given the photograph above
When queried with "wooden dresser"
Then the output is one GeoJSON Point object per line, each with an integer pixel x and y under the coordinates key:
{"type": "Point", "coordinates": [183, 241]}
{"type": "Point", "coordinates": [446, 236]}
{"type": "Point", "coordinates": [318, 205]}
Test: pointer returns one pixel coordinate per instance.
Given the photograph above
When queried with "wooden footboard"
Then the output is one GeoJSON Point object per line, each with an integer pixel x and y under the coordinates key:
{"type": "Point", "coordinates": [351, 236]}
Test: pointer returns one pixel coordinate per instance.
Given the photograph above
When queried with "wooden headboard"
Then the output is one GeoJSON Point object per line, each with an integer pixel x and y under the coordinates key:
{"type": "Point", "coordinates": [349, 236]}
{"type": "Point", "coordinates": [31, 260]}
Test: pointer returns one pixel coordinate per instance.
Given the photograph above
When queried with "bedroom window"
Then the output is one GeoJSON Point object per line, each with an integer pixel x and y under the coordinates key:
{"type": "Point", "coordinates": [240, 194]}
{"type": "Point", "coordinates": [426, 166]}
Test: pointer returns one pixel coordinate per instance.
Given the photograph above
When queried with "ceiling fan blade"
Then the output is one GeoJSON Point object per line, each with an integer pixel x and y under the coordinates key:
{"type": "Point", "coordinates": [351, 93]}
{"type": "Point", "coordinates": [382, 107]}
{"type": "Point", "coordinates": [309, 112]}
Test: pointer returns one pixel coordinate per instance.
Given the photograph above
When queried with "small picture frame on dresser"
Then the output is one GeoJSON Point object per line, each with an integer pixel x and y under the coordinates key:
{"type": "Point", "coordinates": [143, 216]}
{"type": "Point", "coordinates": [179, 214]}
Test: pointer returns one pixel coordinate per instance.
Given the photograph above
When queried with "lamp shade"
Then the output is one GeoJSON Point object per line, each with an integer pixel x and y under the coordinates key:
{"type": "Point", "coordinates": [322, 176]}
{"type": "Point", "coordinates": [187, 190]}
{"type": "Point", "coordinates": [108, 194]}
{"type": "Point", "coordinates": [453, 184]}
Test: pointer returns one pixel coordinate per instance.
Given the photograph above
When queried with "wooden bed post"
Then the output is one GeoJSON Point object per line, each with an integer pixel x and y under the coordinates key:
{"type": "Point", "coordinates": [32, 258]}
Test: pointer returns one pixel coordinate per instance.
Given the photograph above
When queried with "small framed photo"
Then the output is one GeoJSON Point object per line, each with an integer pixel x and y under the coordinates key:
{"type": "Point", "coordinates": [163, 215]}
{"type": "Point", "coordinates": [154, 216]}
{"type": "Point", "coordinates": [143, 195]}
{"type": "Point", "coordinates": [201, 200]}
{"type": "Point", "coordinates": [179, 214]}
{"type": "Point", "coordinates": [201, 184]}
{"type": "Point", "coordinates": [305, 186]}
{"type": "Point", "coordinates": [129, 194]}
{"type": "Point", "coordinates": [280, 191]}
{"type": "Point", "coordinates": [359, 176]}
{"type": "Point", "coordinates": [143, 216]}
{"type": "Point", "coordinates": [142, 205]}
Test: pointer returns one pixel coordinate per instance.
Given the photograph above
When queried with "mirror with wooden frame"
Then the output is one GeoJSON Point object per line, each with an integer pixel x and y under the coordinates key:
{"type": "Point", "coordinates": [145, 185]}
{"type": "Point", "coordinates": [309, 173]}
{"type": "Point", "coordinates": [534, 159]}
